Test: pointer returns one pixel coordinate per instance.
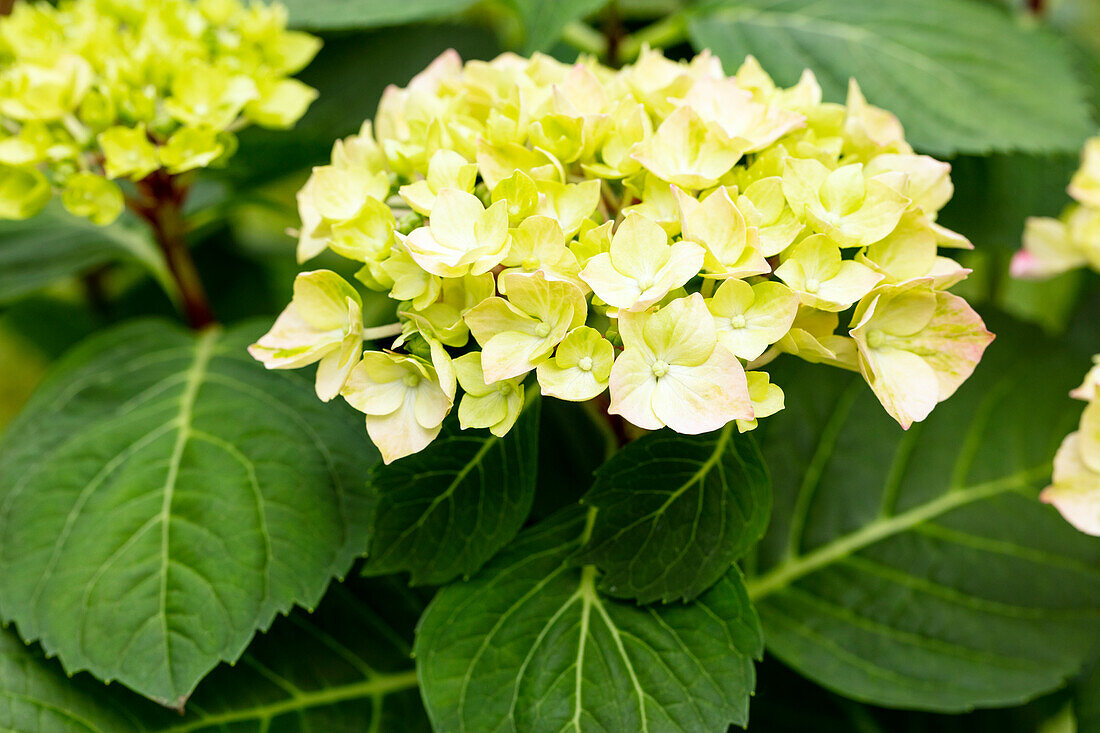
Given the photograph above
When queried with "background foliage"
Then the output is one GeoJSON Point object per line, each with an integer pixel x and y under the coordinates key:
{"type": "Point", "coordinates": [898, 570]}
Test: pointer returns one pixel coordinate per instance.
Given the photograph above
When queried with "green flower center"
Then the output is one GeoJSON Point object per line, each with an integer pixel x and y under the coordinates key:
{"type": "Point", "coordinates": [660, 368]}
{"type": "Point", "coordinates": [531, 264]}
{"type": "Point", "coordinates": [504, 389]}
{"type": "Point", "coordinates": [412, 380]}
{"type": "Point", "coordinates": [738, 321]}
{"type": "Point", "coordinates": [876, 339]}
{"type": "Point", "coordinates": [585, 363]}
{"type": "Point", "coordinates": [542, 330]}
{"type": "Point", "coordinates": [811, 285]}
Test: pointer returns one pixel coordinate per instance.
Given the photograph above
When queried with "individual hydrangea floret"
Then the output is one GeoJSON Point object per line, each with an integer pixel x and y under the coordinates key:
{"type": "Point", "coordinates": [1056, 245]}
{"type": "Point", "coordinates": [130, 88]}
{"type": "Point", "coordinates": [1075, 488]}
{"type": "Point", "coordinates": [648, 238]}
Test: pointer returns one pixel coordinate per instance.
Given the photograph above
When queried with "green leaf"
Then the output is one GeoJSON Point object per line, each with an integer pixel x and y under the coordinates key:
{"type": "Point", "coordinates": [353, 14]}
{"type": "Point", "coordinates": [917, 569]}
{"type": "Point", "coordinates": [162, 497]}
{"type": "Point", "coordinates": [54, 245]}
{"type": "Point", "coordinates": [961, 76]}
{"type": "Point", "coordinates": [346, 667]}
{"type": "Point", "coordinates": [787, 703]}
{"type": "Point", "coordinates": [442, 512]}
{"type": "Point", "coordinates": [529, 644]}
{"type": "Point", "coordinates": [675, 511]}
{"type": "Point", "coordinates": [543, 22]}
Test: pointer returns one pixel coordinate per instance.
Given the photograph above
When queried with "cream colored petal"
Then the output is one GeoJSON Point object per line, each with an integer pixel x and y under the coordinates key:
{"type": "Point", "coordinates": [703, 398]}
{"type": "Point", "coordinates": [375, 391]}
{"type": "Point", "coordinates": [398, 434]}
{"type": "Point", "coordinates": [511, 354]}
{"type": "Point", "coordinates": [682, 332]}
{"type": "Point", "coordinates": [568, 383]}
{"type": "Point", "coordinates": [333, 370]}
{"type": "Point", "coordinates": [609, 285]}
{"type": "Point", "coordinates": [1075, 492]}
{"type": "Point", "coordinates": [432, 405]}
{"type": "Point", "coordinates": [903, 382]}
{"type": "Point", "coordinates": [292, 342]}
{"type": "Point", "coordinates": [852, 282]}
{"type": "Point", "coordinates": [632, 390]}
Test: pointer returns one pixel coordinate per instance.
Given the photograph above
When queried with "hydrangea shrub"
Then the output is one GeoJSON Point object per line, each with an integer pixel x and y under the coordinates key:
{"type": "Point", "coordinates": [585, 302]}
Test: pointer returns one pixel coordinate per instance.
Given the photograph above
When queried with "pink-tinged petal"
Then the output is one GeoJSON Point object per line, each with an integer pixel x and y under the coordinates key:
{"type": "Point", "coordinates": [632, 388]}
{"type": "Point", "coordinates": [952, 343]}
{"type": "Point", "coordinates": [703, 398]}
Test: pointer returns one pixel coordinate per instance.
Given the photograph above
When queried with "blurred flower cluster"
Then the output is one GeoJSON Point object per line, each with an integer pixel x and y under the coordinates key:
{"type": "Point", "coordinates": [1075, 489]}
{"type": "Point", "coordinates": [1053, 246]}
{"type": "Point", "coordinates": [661, 232]}
{"type": "Point", "coordinates": [92, 91]}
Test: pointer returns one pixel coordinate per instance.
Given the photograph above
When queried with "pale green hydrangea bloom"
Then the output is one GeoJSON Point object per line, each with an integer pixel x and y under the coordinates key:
{"type": "Point", "coordinates": [662, 232]}
{"type": "Point", "coordinates": [96, 96]}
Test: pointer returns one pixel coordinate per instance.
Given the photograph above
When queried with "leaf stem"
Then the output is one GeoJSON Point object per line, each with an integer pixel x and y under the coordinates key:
{"type": "Point", "coordinates": [161, 206]}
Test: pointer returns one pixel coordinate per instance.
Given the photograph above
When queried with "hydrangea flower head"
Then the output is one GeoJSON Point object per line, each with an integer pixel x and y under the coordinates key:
{"type": "Point", "coordinates": [85, 118]}
{"type": "Point", "coordinates": [660, 233]}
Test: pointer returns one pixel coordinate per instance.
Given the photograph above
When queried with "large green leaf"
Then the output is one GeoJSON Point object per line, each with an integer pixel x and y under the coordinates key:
{"type": "Point", "coordinates": [344, 668]}
{"type": "Point", "coordinates": [529, 644]}
{"type": "Point", "coordinates": [352, 14]}
{"type": "Point", "coordinates": [162, 497]}
{"type": "Point", "coordinates": [40, 251]}
{"type": "Point", "coordinates": [675, 511]}
{"type": "Point", "coordinates": [962, 77]}
{"type": "Point", "coordinates": [917, 569]}
{"type": "Point", "coordinates": [543, 22]}
{"type": "Point", "coordinates": [785, 702]}
{"type": "Point", "coordinates": [442, 512]}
